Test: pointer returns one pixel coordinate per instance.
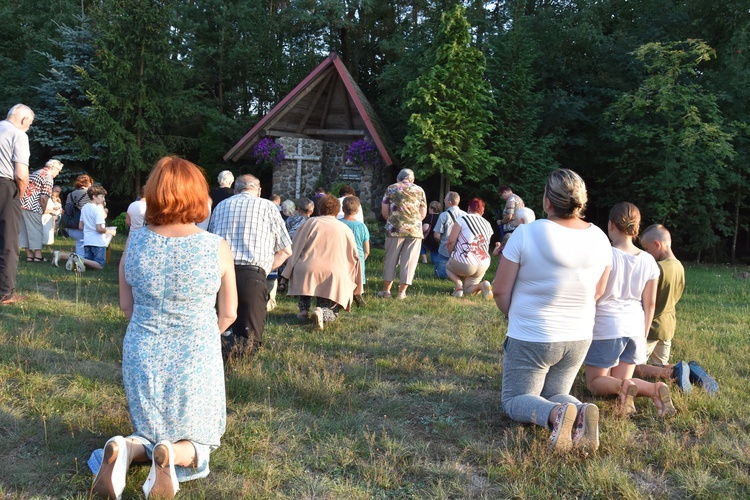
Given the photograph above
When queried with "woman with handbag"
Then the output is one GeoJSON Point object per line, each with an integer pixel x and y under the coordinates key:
{"type": "Point", "coordinates": [73, 204]}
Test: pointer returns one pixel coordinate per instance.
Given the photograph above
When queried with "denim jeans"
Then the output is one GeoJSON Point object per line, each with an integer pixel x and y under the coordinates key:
{"type": "Point", "coordinates": [440, 262]}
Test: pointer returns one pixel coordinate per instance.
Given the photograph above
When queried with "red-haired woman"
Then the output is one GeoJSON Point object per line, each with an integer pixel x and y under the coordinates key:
{"type": "Point", "coordinates": [468, 243]}
{"type": "Point", "coordinates": [171, 276]}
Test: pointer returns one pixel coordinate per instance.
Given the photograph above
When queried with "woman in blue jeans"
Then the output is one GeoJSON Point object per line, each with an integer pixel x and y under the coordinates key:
{"type": "Point", "coordinates": [549, 277]}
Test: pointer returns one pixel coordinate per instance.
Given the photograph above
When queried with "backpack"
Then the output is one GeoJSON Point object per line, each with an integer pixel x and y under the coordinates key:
{"type": "Point", "coordinates": [72, 215]}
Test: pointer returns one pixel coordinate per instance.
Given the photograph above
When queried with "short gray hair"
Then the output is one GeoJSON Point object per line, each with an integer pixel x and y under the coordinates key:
{"type": "Point", "coordinates": [406, 174]}
{"type": "Point", "coordinates": [54, 163]}
{"type": "Point", "coordinates": [526, 214]}
{"type": "Point", "coordinates": [226, 178]}
{"type": "Point", "coordinates": [20, 110]}
{"type": "Point", "coordinates": [246, 182]}
{"type": "Point", "coordinates": [288, 208]}
{"type": "Point", "coordinates": [305, 204]}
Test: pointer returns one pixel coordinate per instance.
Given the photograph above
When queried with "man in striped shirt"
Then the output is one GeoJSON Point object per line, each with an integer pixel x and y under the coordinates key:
{"type": "Point", "coordinates": [259, 241]}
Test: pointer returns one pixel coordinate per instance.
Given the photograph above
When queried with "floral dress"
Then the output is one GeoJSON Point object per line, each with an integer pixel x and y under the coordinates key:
{"type": "Point", "coordinates": [172, 367]}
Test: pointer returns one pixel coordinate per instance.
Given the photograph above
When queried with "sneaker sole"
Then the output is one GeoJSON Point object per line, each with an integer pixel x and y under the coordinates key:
{"type": "Point", "coordinates": [589, 440]}
{"type": "Point", "coordinates": [563, 442]}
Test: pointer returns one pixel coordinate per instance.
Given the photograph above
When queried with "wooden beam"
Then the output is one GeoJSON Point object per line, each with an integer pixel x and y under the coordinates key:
{"type": "Point", "coordinates": [327, 107]}
{"type": "Point", "coordinates": [284, 133]}
{"type": "Point", "coordinates": [333, 131]}
{"type": "Point", "coordinates": [311, 107]}
{"type": "Point", "coordinates": [303, 93]}
{"type": "Point", "coordinates": [348, 111]}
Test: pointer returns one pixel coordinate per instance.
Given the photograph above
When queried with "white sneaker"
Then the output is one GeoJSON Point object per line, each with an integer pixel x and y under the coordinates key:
{"type": "Point", "coordinates": [317, 316]}
{"type": "Point", "coordinates": [56, 258]}
{"type": "Point", "coordinates": [457, 293]}
{"type": "Point", "coordinates": [486, 289]}
{"type": "Point", "coordinates": [69, 263]}
{"type": "Point", "coordinates": [78, 263]}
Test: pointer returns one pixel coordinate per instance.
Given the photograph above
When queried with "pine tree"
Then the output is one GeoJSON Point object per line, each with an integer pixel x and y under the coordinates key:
{"type": "Point", "coordinates": [450, 121]}
{"type": "Point", "coordinates": [140, 107]}
{"type": "Point", "coordinates": [61, 91]}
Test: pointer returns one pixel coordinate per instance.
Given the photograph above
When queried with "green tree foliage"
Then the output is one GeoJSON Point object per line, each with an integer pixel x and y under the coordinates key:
{"type": "Point", "coordinates": [676, 143]}
{"type": "Point", "coordinates": [61, 90]}
{"type": "Point", "coordinates": [140, 107]}
{"type": "Point", "coordinates": [450, 122]}
{"type": "Point", "coordinates": [517, 116]}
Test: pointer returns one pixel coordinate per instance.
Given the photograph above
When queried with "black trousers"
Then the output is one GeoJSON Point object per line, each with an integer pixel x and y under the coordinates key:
{"type": "Point", "coordinates": [10, 226]}
{"type": "Point", "coordinates": [252, 297]}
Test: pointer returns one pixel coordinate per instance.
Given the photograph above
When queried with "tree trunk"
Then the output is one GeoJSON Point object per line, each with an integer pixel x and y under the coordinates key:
{"type": "Point", "coordinates": [737, 202]}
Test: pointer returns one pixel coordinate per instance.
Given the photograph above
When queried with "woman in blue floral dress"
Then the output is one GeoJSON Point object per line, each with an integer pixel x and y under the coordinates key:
{"type": "Point", "coordinates": [171, 275]}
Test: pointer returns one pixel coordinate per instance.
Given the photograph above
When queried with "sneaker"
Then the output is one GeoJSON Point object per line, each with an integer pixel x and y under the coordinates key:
{"type": "Point", "coordinates": [486, 289]}
{"type": "Point", "coordinates": [401, 296]}
{"type": "Point", "coordinates": [560, 440]}
{"type": "Point", "coordinates": [303, 314]}
{"type": "Point", "coordinates": [78, 263]}
{"type": "Point", "coordinates": [698, 376]}
{"type": "Point", "coordinates": [384, 295]}
{"type": "Point", "coordinates": [586, 430]}
{"type": "Point", "coordinates": [457, 293]}
{"type": "Point", "coordinates": [317, 316]}
{"type": "Point", "coordinates": [69, 263]}
{"type": "Point", "coordinates": [56, 258]}
{"type": "Point", "coordinates": [681, 376]}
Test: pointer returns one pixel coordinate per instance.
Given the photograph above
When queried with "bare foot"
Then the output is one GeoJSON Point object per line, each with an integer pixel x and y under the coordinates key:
{"type": "Point", "coordinates": [628, 393]}
{"type": "Point", "coordinates": [663, 401]}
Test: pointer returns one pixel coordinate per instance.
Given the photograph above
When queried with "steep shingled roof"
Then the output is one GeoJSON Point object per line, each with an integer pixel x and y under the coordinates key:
{"type": "Point", "coordinates": [329, 105]}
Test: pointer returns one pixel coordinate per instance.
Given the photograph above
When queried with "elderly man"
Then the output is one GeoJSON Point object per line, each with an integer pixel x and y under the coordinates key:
{"type": "Point", "coordinates": [513, 202]}
{"type": "Point", "coordinates": [34, 204]}
{"type": "Point", "coordinates": [224, 191]}
{"type": "Point", "coordinates": [404, 206]}
{"type": "Point", "coordinates": [260, 243]}
{"type": "Point", "coordinates": [14, 177]}
{"type": "Point", "coordinates": [443, 228]}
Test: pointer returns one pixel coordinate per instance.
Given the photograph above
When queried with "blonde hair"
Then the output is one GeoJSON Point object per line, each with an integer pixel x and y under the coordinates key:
{"type": "Point", "coordinates": [566, 192]}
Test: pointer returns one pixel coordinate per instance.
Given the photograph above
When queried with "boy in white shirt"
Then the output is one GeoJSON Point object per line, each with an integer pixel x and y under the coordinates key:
{"type": "Point", "coordinates": [95, 239]}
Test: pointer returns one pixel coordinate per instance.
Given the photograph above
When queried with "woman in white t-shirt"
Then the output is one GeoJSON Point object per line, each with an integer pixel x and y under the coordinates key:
{"type": "Point", "coordinates": [469, 246]}
{"type": "Point", "coordinates": [549, 277]}
{"type": "Point", "coordinates": [623, 317]}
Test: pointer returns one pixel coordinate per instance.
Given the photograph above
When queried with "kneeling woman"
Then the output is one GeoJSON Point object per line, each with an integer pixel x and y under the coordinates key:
{"type": "Point", "coordinates": [469, 245]}
{"type": "Point", "coordinates": [547, 283]}
{"type": "Point", "coordinates": [172, 275]}
{"type": "Point", "coordinates": [324, 264]}
{"type": "Point", "coordinates": [623, 318]}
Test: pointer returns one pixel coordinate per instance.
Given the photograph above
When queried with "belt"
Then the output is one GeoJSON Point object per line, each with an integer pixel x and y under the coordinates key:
{"type": "Point", "coordinates": [250, 267]}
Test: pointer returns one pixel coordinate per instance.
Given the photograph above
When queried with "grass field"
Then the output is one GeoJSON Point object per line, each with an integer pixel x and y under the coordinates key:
{"type": "Point", "coordinates": [396, 400]}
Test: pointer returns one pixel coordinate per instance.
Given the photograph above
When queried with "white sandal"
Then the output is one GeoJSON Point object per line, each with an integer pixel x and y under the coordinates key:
{"type": "Point", "coordinates": [162, 479]}
{"type": "Point", "coordinates": [110, 479]}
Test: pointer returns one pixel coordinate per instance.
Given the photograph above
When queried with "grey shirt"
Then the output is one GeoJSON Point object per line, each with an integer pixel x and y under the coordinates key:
{"type": "Point", "coordinates": [14, 148]}
{"type": "Point", "coordinates": [444, 225]}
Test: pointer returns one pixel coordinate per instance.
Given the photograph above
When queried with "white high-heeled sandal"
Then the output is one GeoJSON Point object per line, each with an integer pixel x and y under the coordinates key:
{"type": "Point", "coordinates": [110, 479]}
{"type": "Point", "coordinates": [162, 479]}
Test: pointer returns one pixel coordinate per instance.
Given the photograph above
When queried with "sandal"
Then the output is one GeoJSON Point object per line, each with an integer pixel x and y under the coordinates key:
{"type": "Point", "coordinates": [39, 259]}
{"type": "Point", "coordinates": [29, 259]}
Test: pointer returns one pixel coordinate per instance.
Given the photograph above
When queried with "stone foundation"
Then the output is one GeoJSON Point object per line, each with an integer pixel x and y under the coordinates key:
{"type": "Point", "coordinates": [329, 160]}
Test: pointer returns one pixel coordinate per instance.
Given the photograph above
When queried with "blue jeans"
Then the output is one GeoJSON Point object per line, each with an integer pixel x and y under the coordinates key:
{"type": "Point", "coordinates": [97, 254]}
{"type": "Point", "coordinates": [440, 262]}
